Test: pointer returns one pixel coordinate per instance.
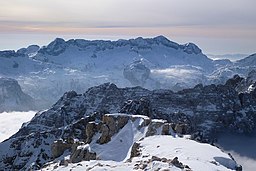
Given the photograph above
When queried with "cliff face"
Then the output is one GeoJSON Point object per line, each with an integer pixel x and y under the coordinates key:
{"type": "Point", "coordinates": [12, 98]}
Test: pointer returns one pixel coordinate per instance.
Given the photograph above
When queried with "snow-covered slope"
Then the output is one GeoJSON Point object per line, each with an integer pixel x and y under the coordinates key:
{"type": "Point", "coordinates": [157, 153]}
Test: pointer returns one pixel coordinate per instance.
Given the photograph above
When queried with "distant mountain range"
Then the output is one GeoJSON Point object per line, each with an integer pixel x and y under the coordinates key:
{"type": "Point", "coordinates": [45, 73]}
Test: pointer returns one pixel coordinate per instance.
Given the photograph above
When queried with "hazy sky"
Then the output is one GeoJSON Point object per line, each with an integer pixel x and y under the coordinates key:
{"type": "Point", "coordinates": [217, 26]}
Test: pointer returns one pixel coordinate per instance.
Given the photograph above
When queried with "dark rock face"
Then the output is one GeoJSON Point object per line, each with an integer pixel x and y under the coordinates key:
{"type": "Point", "coordinates": [12, 98]}
{"type": "Point", "coordinates": [201, 111]}
{"type": "Point", "coordinates": [139, 107]}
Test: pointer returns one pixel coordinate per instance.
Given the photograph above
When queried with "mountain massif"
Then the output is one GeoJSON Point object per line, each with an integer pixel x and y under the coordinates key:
{"type": "Point", "coordinates": [45, 73]}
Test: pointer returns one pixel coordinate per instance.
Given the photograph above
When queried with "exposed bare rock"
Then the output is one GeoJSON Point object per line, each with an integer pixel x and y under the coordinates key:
{"type": "Point", "coordinates": [58, 148]}
{"type": "Point", "coordinates": [181, 128]}
{"type": "Point", "coordinates": [180, 165]}
{"type": "Point", "coordinates": [91, 128]}
{"type": "Point", "coordinates": [122, 121]}
{"type": "Point", "coordinates": [82, 153]}
{"type": "Point", "coordinates": [155, 127]}
{"type": "Point", "coordinates": [110, 123]}
{"type": "Point", "coordinates": [105, 135]}
{"type": "Point", "coordinates": [135, 152]}
{"type": "Point", "coordinates": [167, 129]}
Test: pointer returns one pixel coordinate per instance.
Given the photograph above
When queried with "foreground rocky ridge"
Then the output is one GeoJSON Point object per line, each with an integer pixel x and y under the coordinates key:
{"type": "Point", "coordinates": [117, 138]}
{"type": "Point", "coordinates": [201, 111]}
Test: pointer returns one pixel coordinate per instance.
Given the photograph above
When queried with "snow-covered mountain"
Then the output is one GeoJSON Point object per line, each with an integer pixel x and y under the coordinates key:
{"type": "Point", "coordinates": [46, 73]}
{"type": "Point", "coordinates": [12, 98]}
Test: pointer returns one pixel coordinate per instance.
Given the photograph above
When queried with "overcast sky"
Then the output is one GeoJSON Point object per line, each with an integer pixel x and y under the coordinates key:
{"type": "Point", "coordinates": [217, 26]}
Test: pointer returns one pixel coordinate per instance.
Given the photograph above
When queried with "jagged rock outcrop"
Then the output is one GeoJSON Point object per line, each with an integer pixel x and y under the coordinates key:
{"type": "Point", "coordinates": [102, 132]}
{"type": "Point", "coordinates": [59, 146]}
{"type": "Point", "coordinates": [82, 153]}
{"type": "Point", "coordinates": [12, 98]}
{"type": "Point", "coordinates": [141, 106]}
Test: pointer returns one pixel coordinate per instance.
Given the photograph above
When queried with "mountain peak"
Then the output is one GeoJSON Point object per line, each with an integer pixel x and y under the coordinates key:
{"type": "Point", "coordinates": [161, 38]}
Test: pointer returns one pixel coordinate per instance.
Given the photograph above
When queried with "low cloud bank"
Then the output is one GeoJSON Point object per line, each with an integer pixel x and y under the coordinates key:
{"type": "Point", "coordinates": [12, 121]}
